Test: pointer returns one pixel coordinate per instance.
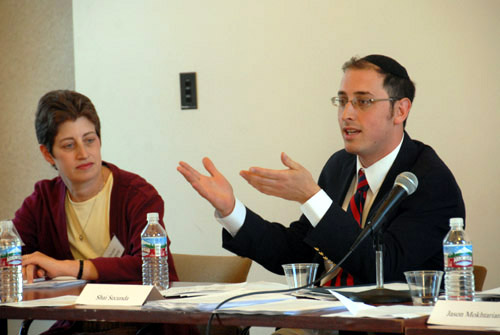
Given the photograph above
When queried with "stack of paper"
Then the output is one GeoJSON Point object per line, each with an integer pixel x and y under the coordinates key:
{"type": "Point", "coordinates": [287, 307]}
{"type": "Point", "coordinates": [210, 299]}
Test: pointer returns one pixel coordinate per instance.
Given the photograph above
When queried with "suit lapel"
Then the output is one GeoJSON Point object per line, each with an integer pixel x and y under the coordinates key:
{"type": "Point", "coordinates": [402, 162]}
{"type": "Point", "coordinates": [345, 179]}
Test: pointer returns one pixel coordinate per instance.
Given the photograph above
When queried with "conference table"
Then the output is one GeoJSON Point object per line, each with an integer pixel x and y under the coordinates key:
{"type": "Point", "coordinates": [313, 320]}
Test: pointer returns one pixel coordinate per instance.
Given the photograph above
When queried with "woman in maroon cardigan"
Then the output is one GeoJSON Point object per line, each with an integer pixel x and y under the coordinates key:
{"type": "Point", "coordinates": [68, 222]}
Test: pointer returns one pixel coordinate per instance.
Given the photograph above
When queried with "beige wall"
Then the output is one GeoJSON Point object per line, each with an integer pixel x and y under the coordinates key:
{"type": "Point", "coordinates": [36, 55]}
{"type": "Point", "coordinates": [266, 71]}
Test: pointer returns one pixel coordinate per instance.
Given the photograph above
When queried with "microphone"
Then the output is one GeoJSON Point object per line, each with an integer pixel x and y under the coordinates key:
{"type": "Point", "coordinates": [405, 184]}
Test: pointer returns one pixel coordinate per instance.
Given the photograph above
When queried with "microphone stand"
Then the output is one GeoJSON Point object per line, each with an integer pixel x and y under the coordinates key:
{"type": "Point", "coordinates": [381, 295]}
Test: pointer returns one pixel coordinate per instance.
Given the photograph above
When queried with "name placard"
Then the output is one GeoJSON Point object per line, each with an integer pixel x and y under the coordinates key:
{"type": "Point", "coordinates": [466, 313]}
{"type": "Point", "coordinates": [117, 295]}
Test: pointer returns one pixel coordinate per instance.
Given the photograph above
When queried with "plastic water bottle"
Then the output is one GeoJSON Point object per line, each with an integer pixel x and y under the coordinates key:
{"type": "Point", "coordinates": [154, 254]}
{"type": "Point", "coordinates": [11, 276]}
{"type": "Point", "coordinates": [458, 265]}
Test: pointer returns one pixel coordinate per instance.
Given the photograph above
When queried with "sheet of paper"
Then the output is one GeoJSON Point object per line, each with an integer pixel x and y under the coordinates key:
{"type": "Point", "coordinates": [64, 281]}
{"type": "Point", "coordinates": [197, 290]}
{"type": "Point", "coordinates": [207, 297]}
{"type": "Point", "coordinates": [65, 300]}
{"type": "Point", "coordinates": [353, 307]}
{"type": "Point", "coordinates": [489, 295]}
{"type": "Point", "coordinates": [357, 309]}
{"type": "Point", "coordinates": [288, 307]}
{"type": "Point", "coordinates": [389, 312]}
{"type": "Point", "coordinates": [492, 291]}
{"type": "Point", "coordinates": [210, 302]}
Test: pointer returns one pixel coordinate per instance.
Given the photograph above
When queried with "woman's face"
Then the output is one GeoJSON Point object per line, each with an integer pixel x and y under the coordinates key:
{"type": "Point", "coordinates": [76, 152]}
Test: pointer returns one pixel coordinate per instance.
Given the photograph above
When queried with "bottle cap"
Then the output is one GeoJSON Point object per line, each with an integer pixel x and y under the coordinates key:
{"type": "Point", "coordinates": [456, 222]}
{"type": "Point", "coordinates": [153, 216]}
{"type": "Point", "coordinates": [6, 225]}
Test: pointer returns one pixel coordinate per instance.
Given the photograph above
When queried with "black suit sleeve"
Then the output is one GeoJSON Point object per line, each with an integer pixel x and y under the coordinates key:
{"type": "Point", "coordinates": [269, 243]}
{"type": "Point", "coordinates": [412, 235]}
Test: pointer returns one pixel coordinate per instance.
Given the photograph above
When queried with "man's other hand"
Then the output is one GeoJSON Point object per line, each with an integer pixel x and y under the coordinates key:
{"type": "Point", "coordinates": [295, 183]}
{"type": "Point", "coordinates": [215, 188]}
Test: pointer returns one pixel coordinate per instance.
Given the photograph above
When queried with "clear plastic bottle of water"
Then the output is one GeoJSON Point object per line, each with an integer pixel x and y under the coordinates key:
{"type": "Point", "coordinates": [11, 276]}
{"type": "Point", "coordinates": [458, 264]}
{"type": "Point", "coordinates": [154, 253]}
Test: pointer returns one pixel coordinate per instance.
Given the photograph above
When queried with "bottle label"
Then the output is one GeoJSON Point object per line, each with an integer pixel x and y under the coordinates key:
{"type": "Point", "coordinates": [457, 256]}
{"type": "Point", "coordinates": [10, 256]}
{"type": "Point", "coordinates": [154, 246]}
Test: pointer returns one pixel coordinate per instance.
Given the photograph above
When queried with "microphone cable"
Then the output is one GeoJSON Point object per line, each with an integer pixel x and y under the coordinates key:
{"type": "Point", "coordinates": [317, 281]}
{"type": "Point", "coordinates": [405, 180]}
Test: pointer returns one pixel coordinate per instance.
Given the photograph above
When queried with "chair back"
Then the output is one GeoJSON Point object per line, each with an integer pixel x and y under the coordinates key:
{"type": "Point", "coordinates": [211, 269]}
{"type": "Point", "coordinates": [479, 276]}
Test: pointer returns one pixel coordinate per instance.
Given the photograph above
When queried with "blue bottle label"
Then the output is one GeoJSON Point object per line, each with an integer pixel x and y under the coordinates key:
{"type": "Point", "coordinates": [154, 246]}
{"type": "Point", "coordinates": [458, 256]}
{"type": "Point", "coordinates": [10, 256]}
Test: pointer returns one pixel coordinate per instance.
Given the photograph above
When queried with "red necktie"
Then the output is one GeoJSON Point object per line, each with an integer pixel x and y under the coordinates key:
{"type": "Point", "coordinates": [356, 205]}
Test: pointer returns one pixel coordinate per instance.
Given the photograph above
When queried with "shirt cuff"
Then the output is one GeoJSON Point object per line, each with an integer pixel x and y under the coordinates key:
{"type": "Point", "coordinates": [315, 208]}
{"type": "Point", "coordinates": [233, 222]}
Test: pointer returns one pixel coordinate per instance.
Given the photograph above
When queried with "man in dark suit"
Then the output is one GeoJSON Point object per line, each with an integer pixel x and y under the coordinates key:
{"type": "Point", "coordinates": [373, 102]}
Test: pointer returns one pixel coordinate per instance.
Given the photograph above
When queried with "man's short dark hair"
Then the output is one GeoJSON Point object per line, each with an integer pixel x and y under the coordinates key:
{"type": "Point", "coordinates": [397, 83]}
{"type": "Point", "coordinates": [57, 107]}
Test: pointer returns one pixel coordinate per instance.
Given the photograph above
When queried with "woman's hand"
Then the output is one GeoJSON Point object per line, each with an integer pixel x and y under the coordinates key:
{"type": "Point", "coordinates": [39, 265]}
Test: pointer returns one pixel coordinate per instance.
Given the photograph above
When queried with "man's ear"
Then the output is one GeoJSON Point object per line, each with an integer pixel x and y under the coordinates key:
{"type": "Point", "coordinates": [47, 155]}
{"type": "Point", "coordinates": [401, 110]}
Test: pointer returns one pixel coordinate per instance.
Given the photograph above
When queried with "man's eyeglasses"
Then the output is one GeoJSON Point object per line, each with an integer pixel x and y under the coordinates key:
{"type": "Point", "coordinates": [360, 103]}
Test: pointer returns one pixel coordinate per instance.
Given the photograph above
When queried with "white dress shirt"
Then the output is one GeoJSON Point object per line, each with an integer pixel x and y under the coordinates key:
{"type": "Point", "coordinates": [316, 207]}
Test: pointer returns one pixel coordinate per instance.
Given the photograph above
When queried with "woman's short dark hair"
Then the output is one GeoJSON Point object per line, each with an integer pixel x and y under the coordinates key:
{"type": "Point", "coordinates": [57, 107]}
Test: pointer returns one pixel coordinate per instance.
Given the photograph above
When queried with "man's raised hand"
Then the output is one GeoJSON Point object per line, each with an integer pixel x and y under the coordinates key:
{"type": "Point", "coordinates": [215, 188]}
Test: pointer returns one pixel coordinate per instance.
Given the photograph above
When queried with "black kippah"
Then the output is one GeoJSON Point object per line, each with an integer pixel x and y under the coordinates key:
{"type": "Point", "coordinates": [388, 65]}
